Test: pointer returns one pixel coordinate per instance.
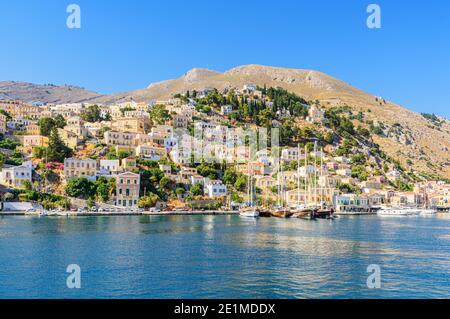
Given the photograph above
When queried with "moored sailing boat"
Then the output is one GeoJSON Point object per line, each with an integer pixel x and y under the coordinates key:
{"type": "Point", "coordinates": [302, 209]}
{"type": "Point", "coordinates": [250, 209]}
{"type": "Point", "coordinates": [311, 209]}
{"type": "Point", "coordinates": [281, 210]}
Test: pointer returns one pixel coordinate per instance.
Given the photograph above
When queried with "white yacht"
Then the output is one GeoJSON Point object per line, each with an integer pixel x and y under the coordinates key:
{"type": "Point", "coordinates": [403, 211]}
{"type": "Point", "coordinates": [427, 212]}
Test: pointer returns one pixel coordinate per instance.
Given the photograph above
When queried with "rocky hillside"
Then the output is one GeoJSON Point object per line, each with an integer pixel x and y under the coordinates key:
{"type": "Point", "coordinates": [419, 142]}
{"type": "Point", "coordinates": [46, 93]}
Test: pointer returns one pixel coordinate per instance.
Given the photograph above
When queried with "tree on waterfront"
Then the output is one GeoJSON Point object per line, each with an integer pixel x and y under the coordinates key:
{"type": "Point", "coordinates": [148, 201]}
{"type": "Point", "coordinates": [80, 188]}
{"type": "Point", "coordinates": [104, 188]}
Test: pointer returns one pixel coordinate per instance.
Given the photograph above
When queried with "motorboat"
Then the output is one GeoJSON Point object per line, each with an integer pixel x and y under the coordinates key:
{"type": "Point", "coordinates": [402, 211]}
{"type": "Point", "coordinates": [427, 212]}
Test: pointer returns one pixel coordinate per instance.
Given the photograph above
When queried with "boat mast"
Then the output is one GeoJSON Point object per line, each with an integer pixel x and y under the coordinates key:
{"type": "Point", "coordinates": [306, 177]}
{"type": "Point", "coordinates": [279, 181]}
{"type": "Point", "coordinates": [321, 177]}
{"type": "Point", "coordinates": [315, 173]}
{"type": "Point", "coordinates": [248, 179]}
{"type": "Point", "coordinates": [282, 186]}
{"type": "Point", "coordinates": [298, 175]}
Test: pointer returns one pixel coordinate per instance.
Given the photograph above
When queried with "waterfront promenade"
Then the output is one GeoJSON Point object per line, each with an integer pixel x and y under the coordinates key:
{"type": "Point", "coordinates": [131, 213]}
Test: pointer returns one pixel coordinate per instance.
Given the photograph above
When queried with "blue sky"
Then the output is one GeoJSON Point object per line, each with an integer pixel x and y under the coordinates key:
{"type": "Point", "coordinates": [125, 45]}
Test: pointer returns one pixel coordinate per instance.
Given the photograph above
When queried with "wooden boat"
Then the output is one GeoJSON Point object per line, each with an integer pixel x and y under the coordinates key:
{"type": "Point", "coordinates": [304, 214]}
{"type": "Point", "coordinates": [263, 212]}
{"type": "Point", "coordinates": [324, 213]}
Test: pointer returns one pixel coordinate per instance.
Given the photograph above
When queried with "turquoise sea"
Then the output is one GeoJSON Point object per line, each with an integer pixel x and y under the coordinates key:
{"type": "Point", "coordinates": [224, 257]}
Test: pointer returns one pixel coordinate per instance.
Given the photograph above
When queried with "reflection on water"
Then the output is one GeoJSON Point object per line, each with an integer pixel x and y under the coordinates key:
{"type": "Point", "coordinates": [224, 257]}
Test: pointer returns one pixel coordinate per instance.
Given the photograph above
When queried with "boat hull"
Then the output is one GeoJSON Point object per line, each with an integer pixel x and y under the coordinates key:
{"type": "Point", "coordinates": [323, 213]}
{"type": "Point", "coordinates": [250, 213]}
{"type": "Point", "coordinates": [282, 214]}
{"type": "Point", "coordinates": [427, 212]}
{"type": "Point", "coordinates": [265, 213]}
{"type": "Point", "coordinates": [399, 212]}
{"type": "Point", "coordinates": [303, 215]}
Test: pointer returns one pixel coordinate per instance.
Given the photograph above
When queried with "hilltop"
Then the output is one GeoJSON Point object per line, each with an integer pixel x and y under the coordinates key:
{"type": "Point", "coordinates": [45, 93]}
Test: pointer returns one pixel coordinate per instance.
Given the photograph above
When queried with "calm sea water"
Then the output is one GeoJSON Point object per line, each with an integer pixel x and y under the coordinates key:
{"type": "Point", "coordinates": [224, 257]}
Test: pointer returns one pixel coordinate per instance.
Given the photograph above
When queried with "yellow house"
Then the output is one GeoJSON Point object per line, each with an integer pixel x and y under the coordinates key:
{"type": "Point", "coordinates": [119, 138]}
{"type": "Point", "coordinates": [150, 151]}
{"type": "Point", "coordinates": [133, 125]}
{"type": "Point", "coordinates": [128, 163]}
{"type": "Point", "coordinates": [75, 168]}
{"type": "Point", "coordinates": [33, 129]}
{"type": "Point", "coordinates": [69, 138]}
{"type": "Point", "coordinates": [20, 109]}
{"type": "Point", "coordinates": [31, 141]}
{"type": "Point", "coordinates": [34, 140]}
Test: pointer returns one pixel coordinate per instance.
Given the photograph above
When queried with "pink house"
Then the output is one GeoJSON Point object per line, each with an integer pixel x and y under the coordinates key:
{"type": "Point", "coordinates": [127, 189]}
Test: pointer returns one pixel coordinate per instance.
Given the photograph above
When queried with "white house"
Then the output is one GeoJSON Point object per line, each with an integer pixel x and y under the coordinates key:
{"type": "Point", "coordinates": [393, 175]}
{"type": "Point", "coordinates": [306, 170]}
{"type": "Point", "coordinates": [110, 166]}
{"type": "Point", "coordinates": [249, 87]}
{"type": "Point", "coordinates": [214, 188]}
{"type": "Point", "coordinates": [263, 156]}
{"type": "Point", "coordinates": [344, 172]}
{"type": "Point", "coordinates": [351, 203]}
{"type": "Point", "coordinates": [342, 159]}
{"type": "Point", "coordinates": [152, 152]}
{"type": "Point", "coordinates": [226, 109]}
{"type": "Point", "coordinates": [197, 179]}
{"type": "Point", "coordinates": [181, 155]}
{"type": "Point", "coordinates": [290, 154]}
{"type": "Point", "coordinates": [315, 114]}
{"type": "Point", "coordinates": [15, 176]}
{"type": "Point", "coordinates": [165, 168]}
{"type": "Point", "coordinates": [169, 143]}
